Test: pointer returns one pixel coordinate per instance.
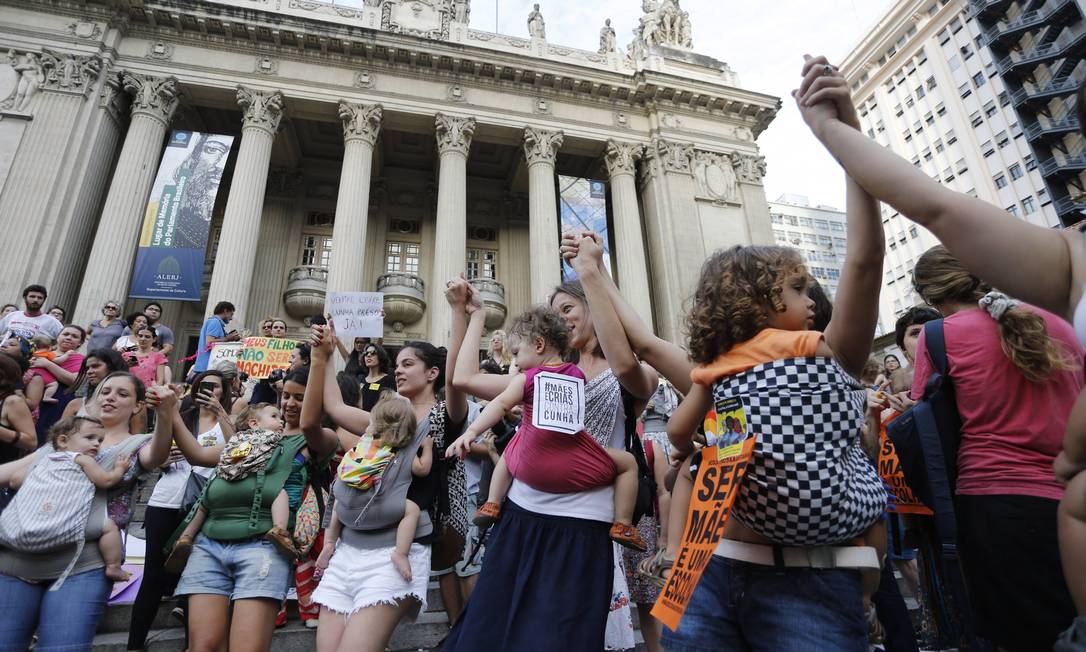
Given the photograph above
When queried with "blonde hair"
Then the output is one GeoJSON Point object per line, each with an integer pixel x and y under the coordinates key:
{"type": "Point", "coordinates": [506, 356]}
{"type": "Point", "coordinates": [394, 420]}
{"type": "Point", "coordinates": [251, 412]}
{"type": "Point", "coordinates": [940, 277]}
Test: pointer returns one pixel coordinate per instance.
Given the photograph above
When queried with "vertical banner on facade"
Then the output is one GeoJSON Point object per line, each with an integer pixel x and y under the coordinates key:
{"type": "Point", "coordinates": [173, 239]}
{"type": "Point", "coordinates": [582, 206]}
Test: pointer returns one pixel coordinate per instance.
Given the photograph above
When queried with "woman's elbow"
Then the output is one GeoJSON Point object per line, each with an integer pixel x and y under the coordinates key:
{"type": "Point", "coordinates": [27, 441]}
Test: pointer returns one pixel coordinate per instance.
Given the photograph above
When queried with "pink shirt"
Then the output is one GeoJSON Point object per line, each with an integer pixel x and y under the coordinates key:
{"type": "Point", "coordinates": [1012, 429]}
{"type": "Point", "coordinates": [146, 365]}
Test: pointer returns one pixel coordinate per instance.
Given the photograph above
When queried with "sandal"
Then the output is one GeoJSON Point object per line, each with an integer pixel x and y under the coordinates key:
{"type": "Point", "coordinates": [487, 514]}
{"type": "Point", "coordinates": [627, 535]}
{"type": "Point", "coordinates": [654, 568]}
{"type": "Point", "coordinates": [282, 540]}
{"type": "Point", "coordinates": [179, 556]}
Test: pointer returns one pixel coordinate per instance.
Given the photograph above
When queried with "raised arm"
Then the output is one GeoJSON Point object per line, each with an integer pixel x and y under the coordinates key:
{"type": "Point", "coordinates": [320, 440]}
{"type": "Point", "coordinates": [164, 401]}
{"type": "Point", "coordinates": [984, 237]}
{"type": "Point", "coordinates": [667, 358]}
{"type": "Point", "coordinates": [638, 379]}
{"type": "Point", "coordinates": [196, 454]}
{"type": "Point", "coordinates": [489, 417]}
{"type": "Point", "coordinates": [466, 375]}
{"type": "Point", "coordinates": [456, 403]}
{"type": "Point", "coordinates": [322, 392]}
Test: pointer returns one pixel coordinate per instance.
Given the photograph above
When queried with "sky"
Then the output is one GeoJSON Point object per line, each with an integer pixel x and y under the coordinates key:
{"type": "Point", "coordinates": [762, 40]}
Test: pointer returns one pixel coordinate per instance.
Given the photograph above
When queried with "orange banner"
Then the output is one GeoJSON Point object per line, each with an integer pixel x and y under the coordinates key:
{"type": "Point", "coordinates": [719, 475]}
{"type": "Point", "coordinates": [902, 500]}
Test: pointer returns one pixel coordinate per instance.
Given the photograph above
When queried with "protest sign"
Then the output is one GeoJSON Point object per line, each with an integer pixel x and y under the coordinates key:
{"type": "Point", "coordinates": [224, 351]}
{"type": "Point", "coordinates": [260, 356]}
{"type": "Point", "coordinates": [720, 472]}
{"type": "Point", "coordinates": [558, 403]}
{"type": "Point", "coordinates": [902, 499]}
{"type": "Point", "coordinates": [357, 314]}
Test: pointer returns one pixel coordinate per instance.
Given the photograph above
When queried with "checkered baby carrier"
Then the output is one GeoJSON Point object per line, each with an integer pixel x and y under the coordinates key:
{"type": "Point", "coordinates": [52, 507]}
{"type": "Point", "coordinates": [247, 452]}
{"type": "Point", "coordinates": [809, 482]}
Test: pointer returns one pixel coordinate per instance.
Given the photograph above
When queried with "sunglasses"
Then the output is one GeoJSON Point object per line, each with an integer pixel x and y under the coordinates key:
{"type": "Point", "coordinates": [111, 307]}
{"type": "Point", "coordinates": [370, 352]}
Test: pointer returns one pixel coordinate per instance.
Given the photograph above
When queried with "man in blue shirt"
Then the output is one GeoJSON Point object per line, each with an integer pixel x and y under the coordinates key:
{"type": "Point", "coordinates": [214, 330]}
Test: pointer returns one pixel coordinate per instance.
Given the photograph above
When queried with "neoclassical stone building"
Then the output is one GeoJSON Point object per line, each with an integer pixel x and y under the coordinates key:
{"type": "Point", "coordinates": [378, 145]}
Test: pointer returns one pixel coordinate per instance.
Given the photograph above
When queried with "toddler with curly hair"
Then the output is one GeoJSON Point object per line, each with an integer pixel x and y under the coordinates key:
{"type": "Point", "coordinates": [546, 459]}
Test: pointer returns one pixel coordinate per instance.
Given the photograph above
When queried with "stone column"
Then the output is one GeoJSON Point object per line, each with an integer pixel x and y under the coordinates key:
{"type": "Point", "coordinates": [540, 150]}
{"type": "Point", "coordinates": [672, 231]}
{"type": "Point", "coordinates": [109, 267]}
{"type": "Point", "coordinates": [450, 250]}
{"type": "Point", "coordinates": [232, 276]}
{"type": "Point", "coordinates": [361, 125]}
{"type": "Point", "coordinates": [630, 260]}
{"type": "Point", "coordinates": [749, 170]}
{"type": "Point", "coordinates": [275, 253]}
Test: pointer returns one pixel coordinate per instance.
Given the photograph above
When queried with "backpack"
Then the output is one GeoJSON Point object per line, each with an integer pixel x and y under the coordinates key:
{"type": "Point", "coordinates": [247, 452]}
{"type": "Point", "coordinates": [927, 437]}
{"type": "Point", "coordinates": [645, 505]}
{"type": "Point", "coordinates": [52, 507]}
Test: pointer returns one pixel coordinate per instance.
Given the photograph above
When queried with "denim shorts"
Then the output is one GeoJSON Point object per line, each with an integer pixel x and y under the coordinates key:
{"type": "Point", "coordinates": [250, 568]}
{"type": "Point", "coordinates": [748, 607]}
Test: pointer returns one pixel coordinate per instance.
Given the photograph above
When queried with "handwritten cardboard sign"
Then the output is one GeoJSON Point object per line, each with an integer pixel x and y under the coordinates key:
{"type": "Point", "coordinates": [902, 499]}
{"type": "Point", "coordinates": [260, 356]}
{"type": "Point", "coordinates": [719, 475]}
{"type": "Point", "coordinates": [357, 314]}
{"type": "Point", "coordinates": [224, 351]}
{"type": "Point", "coordinates": [558, 403]}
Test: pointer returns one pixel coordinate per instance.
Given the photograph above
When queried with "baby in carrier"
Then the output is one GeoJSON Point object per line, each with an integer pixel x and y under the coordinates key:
{"type": "Point", "coordinates": [53, 506]}
{"type": "Point", "coordinates": [392, 427]}
{"type": "Point", "coordinates": [246, 453]}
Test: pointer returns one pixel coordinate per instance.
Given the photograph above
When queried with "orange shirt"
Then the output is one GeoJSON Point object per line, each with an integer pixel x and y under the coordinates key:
{"type": "Point", "coordinates": [768, 345]}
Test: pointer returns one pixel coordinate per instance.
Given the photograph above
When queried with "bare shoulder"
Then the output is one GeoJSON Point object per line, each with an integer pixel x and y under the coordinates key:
{"type": "Point", "coordinates": [1076, 250]}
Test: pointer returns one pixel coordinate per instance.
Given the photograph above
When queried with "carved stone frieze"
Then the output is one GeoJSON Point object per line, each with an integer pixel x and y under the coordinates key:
{"type": "Point", "coordinates": [261, 109]}
{"type": "Point", "coordinates": [156, 97]}
{"type": "Point", "coordinates": [69, 72]}
{"type": "Point", "coordinates": [160, 50]}
{"type": "Point", "coordinates": [456, 93]}
{"type": "Point", "coordinates": [715, 177]}
{"type": "Point", "coordinates": [266, 66]}
{"type": "Point", "coordinates": [749, 168]}
{"type": "Point", "coordinates": [621, 157]}
{"type": "Point", "coordinates": [541, 146]}
{"type": "Point", "coordinates": [360, 121]}
{"type": "Point", "coordinates": [425, 18]}
{"type": "Point", "coordinates": [21, 77]}
{"type": "Point", "coordinates": [541, 106]}
{"type": "Point", "coordinates": [672, 156]}
{"type": "Point", "coordinates": [364, 79]}
{"type": "Point", "coordinates": [85, 29]}
{"type": "Point", "coordinates": [454, 133]}
{"type": "Point", "coordinates": [112, 97]}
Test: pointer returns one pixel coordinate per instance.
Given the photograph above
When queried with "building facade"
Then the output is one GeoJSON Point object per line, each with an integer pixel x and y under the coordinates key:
{"type": "Point", "coordinates": [1038, 48]}
{"type": "Point", "coordinates": [927, 89]}
{"type": "Point", "coordinates": [817, 231]}
{"type": "Point", "coordinates": [380, 145]}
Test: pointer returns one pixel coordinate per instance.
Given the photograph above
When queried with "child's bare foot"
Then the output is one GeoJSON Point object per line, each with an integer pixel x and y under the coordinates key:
{"type": "Point", "coordinates": [179, 556]}
{"type": "Point", "coordinates": [627, 535]}
{"type": "Point", "coordinates": [400, 561]}
{"type": "Point", "coordinates": [488, 514]}
{"type": "Point", "coordinates": [282, 540]}
{"type": "Point", "coordinates": [116, 573]}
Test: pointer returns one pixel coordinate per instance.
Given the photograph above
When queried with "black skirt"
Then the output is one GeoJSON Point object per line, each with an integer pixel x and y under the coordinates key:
{"type": "Point", "coordinates": [545, 585]}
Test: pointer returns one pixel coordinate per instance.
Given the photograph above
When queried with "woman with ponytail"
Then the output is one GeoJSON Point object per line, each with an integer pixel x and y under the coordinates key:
{"type": "Point", "coordinates": [1016, 371]}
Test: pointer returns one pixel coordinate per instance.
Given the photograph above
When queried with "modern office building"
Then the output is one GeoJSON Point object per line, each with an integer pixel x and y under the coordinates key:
{"type": "Point", "coordinates": [818, 231]}
{"type": "Point", "coordinates": [1038, 48]}
{"type": "Point", "coordinates": [928, 89]}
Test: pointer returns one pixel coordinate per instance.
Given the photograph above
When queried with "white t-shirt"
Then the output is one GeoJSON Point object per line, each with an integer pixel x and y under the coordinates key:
{"type": "Point", "coordinates": [26, 327]}
{"type": "Point", "coordinates": [593, 505]}
{"type": "Point", "coordinates": [170, 489]}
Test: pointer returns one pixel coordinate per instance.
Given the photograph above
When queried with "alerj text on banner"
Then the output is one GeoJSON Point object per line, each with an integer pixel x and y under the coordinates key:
{"type": "Point", "coordinates": [260, 356]}
{"type": "Point", "coordinates": [720, 471]}
{"type": "Point", "coordinates": [357, 314]}
{"type": "Point", "coordinates": [173, 238]}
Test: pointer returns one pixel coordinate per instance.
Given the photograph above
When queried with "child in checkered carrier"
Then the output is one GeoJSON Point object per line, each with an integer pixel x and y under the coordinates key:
{"type": "Point", "coordinates": [262, 429]}
{"type": "Point", "coordinates": [392, 426]}
{"type": "Point", "coordinates": [544, 458]}
{"type": "Point", "coordinates": [808, 483]}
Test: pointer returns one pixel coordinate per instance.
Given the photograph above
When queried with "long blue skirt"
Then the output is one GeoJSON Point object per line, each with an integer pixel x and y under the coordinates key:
{"type": "Point", "coordinates": [545, 585]}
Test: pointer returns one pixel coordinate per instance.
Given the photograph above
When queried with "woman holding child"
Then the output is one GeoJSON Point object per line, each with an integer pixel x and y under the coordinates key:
{"type": "Point", "coordinates": [66, 618]}
{"type": "Point", "coordinates": [523, 599]}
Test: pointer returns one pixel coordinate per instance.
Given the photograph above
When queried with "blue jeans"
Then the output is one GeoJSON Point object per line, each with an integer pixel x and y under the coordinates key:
{"type": "Point", "coordinates": [240, 570]}
{"type": "Point", "coordinates": [65, 619]}
{"type": "Point", "coordinates": [739, 606]}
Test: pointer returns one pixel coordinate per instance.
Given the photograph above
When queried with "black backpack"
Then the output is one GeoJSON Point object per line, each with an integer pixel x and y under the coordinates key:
{"type": "Point", "coordinates": [646, 483]}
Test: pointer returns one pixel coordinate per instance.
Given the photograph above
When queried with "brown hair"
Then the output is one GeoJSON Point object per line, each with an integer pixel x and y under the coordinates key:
{"type": "Point", "coordinates": [737, 289]}
{"type": "Point", "coordinates": [872, 369]}
{"type": "Point", "coordinates": [576, 290]}
{"type": "Point", "coordinates": [249, 413]}
{"type": "Point", "coordinates": [542, 321]}
{"type": "Point", "coordinates": [394, 420]}
{"type": "Point", "coordinates": [940, 278]}
{"type": "Point", "coordinates": [68, 427]}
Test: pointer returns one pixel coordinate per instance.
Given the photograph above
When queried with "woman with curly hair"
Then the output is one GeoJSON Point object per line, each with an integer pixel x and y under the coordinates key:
{"type": "Point", "coordinates": [1016, 371]}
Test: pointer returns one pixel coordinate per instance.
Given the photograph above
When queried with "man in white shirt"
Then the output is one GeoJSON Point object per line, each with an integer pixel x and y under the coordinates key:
{"type": "Point", "coordinates": [32, 321]}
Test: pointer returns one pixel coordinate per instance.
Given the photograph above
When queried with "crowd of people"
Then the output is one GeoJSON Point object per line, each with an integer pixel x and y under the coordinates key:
{"type": "Point", "coordinates": [546, 483]}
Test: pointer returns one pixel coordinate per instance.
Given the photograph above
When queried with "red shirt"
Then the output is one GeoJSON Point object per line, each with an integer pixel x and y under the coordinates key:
{"type": "Point", "coordinates": [1012, 429]}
